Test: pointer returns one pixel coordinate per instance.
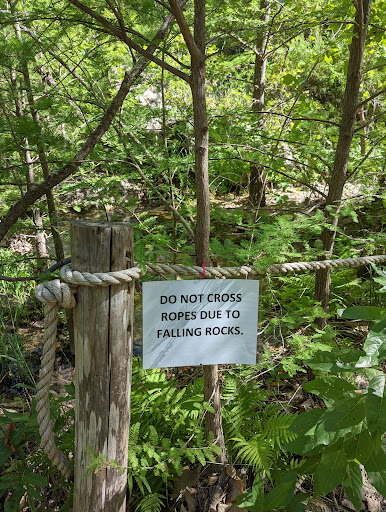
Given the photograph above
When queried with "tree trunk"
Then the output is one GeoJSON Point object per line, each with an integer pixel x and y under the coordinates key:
{"type": "Point", "coordinates": [201, 137]}
{"type": "Point", "coordinates": [25, 154]}
{"type": "Point", "coordinates": [103, 339]}
{"type": "Point", "coordinates": [342, 154]}
{"type": "Point", "coordinates": [258, 178]}
{"type": "Point", "coordinates": [213, 421]}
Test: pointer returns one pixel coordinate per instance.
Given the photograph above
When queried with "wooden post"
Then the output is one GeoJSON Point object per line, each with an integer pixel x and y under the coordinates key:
{"type": "Point", "coordinates": [103, 320]}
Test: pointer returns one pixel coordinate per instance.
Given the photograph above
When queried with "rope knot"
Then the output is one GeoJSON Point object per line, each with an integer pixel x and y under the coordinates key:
{"type": "Point", "coordinates": [55, 292]}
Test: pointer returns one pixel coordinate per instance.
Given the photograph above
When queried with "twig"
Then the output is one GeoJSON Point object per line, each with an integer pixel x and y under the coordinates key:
{"type": "Point", "coordinates": [40, 276]}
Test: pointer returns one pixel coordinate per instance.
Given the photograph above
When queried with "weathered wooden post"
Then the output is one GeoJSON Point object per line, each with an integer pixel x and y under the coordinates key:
{"type": "Point", "coordinates": [103, 341]}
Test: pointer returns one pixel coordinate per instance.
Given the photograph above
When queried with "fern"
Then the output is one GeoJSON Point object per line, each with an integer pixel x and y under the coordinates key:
{"type": "Point", "coordinates": [166, 433]}
{"type": "Point", "coordinates": [257, 452]}
{"type": "Point", "coordinates": [255, 431]}
{"type": "Point", "coordinates": [152, 502]}
{"type": "Point", "coordinates": [134, 432]}
{"type": "Point", "coordinates": [276, 430]}
{"type": "Point", "coordinates": [242, 407]}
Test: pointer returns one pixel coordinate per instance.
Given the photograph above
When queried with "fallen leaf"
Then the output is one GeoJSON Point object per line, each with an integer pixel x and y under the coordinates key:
{"type": "Point", "coordinates": [191, 501]}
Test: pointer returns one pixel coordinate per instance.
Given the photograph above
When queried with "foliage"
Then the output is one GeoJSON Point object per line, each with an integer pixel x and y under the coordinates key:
{"type": "Point", "coordinates": [25, 468]}
{"type": "Point", "coordinates": [75, 69]}
{"type": "Point", "coordinates": [349, 431]}
{"type": "Point", "coordinates": [166, 433]}
{"type": "Point", "coordinates": [255, 430]}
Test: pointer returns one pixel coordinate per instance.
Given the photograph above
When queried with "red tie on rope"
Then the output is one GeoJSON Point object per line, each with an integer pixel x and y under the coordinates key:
{"type": "Point", "coordinates": [203, 270]}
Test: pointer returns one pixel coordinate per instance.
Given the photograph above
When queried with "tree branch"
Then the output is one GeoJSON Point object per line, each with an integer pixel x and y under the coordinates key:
{"type": "Point", "coordinates": [122, 36]}
{"type": "Point", "coordinates": [349, 176]}
{"type": "Point", "coordinates": [55, 56]}
{"type": "Point", "coordinates": [292, 178]}
{"type": "Point", "coordinates": [295, 118]}
{"type": "Point", "coordinates": [185, 30]}
{"type": "Point", "coordinates": [373, 96]}
{"type": "Point", "coordinates": [150, 184]}
{"type": "Point", "coordinates": [20, 207]}
{"type": "Point", "coordinates": [369, 122]}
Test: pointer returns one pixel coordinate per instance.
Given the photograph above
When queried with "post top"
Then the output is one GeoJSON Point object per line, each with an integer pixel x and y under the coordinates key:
{"type": "Point", "coordinates": [99, 223]}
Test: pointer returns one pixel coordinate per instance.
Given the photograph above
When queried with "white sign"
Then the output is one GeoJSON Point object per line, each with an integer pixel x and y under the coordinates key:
{"type": "Point", "coordinates": [188, 323]}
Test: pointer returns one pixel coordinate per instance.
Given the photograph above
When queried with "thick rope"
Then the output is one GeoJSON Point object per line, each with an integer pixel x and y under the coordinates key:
{"type": "Point", "coordinates": [55, 294]}
{"type": "Point", "coordinates": [125, 276]}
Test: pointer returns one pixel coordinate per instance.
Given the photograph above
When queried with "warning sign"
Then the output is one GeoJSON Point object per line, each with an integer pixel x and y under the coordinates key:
{"type": "Point", "coordinates": [188, 323]}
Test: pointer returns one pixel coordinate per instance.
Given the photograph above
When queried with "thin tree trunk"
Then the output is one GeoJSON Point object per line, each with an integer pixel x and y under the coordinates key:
{"type": "Point", "coordinates": [201, 137]}
{"type": "Point", "coordinates": [213, 421]}
{"type": "Point", "coordinates": [342, 154]}
{"type": "Point", "coordinates": [52, 213]}
{"type": "Point", "coordinates": [25, 154]}
{"type": "Point", "coordinates": [59, 251]}
{"type": "Point", "coordinates": [257, 173]}
{"type": "Point", "coordinates": [196, 47]}
{"type": "Point", "coordinates": [362, 118]}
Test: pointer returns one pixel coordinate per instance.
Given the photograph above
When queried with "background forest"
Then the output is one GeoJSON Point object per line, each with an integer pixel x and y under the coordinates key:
{"type": "Point", "coordinates": [229, 133]}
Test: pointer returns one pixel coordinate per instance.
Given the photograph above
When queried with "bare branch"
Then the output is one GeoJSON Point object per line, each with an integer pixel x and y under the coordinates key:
{"type": "Point", "coordinates": [324, 121]}
{"type": "Point", "coordinates": [354, 171]}
{"type": "Point", "coordinates": [292, 178]}
{"type": "Point", "coordinates": [153, 187]}
{"type": "Point", "coordinates": [55, 56]}
{"type": "Point", "coordinates": [241, 41]}
{"type": "Point", "coordinates": [39, 277]}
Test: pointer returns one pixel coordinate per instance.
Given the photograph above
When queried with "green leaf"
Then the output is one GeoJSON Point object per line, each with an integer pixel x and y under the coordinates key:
{"type": "Point", "coordinates": [345, 414]}
{"type": "Point", "coordinates": [335, 361]}
{"type": "Point", "coordinates": [254, 499]}
{"type": "Point", "coordinates": [308, 466]}
{"type": "Point", "coordinates": [374, 346]}
{"type": "Point", "coordinates": [331, 471]}
{"type": "Point", "coordinates": [331, 388]}
{"type": "Point", "coordinates": [298, 503]}
{"type": "Point", "coordinates": [305, 423]}
{"type": "Point", "coordinates": [376, 404]}
{"type": "Point", "coordinates": [376, 470]}
{"type": "Point", "coordinates": [303, 445]}
{"type": "Point", "coordinates": [288, 79]}
{"type": "Point", "coordinates": [5, 452]}
{"type": "Point", "coordinates": [359, 447]}
{"type": "Point", "coordinates": [382, 274]}
{"type": "Point", "coordinates": [305, 426]}
{"type": "Point", "coordinates": [353, 484]}
{"type": "Point", "coordinates": [35, 479]}
{"type": "Point", "coordinates": [281, 494]}
{"type": "Point", "coordinates": [17, 417]}
{"type": "Point", "coordinates": [200, 457]}
{"type": "Point", "coordinates": [367, 313]}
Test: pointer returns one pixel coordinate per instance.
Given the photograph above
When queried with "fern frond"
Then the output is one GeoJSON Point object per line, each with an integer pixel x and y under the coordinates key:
{"type": "Point", "coordinates": [153, 435]}
{"type": "Point", "coordinates": [133, 461]}
{"type": "Point", "coordinates": [151, 503]}
{"type": "Point", "coordinates": [134, 432]}
{"type": "Point", "coordinates": [276, 429]}
{"type": "Point", "coordinates": [257, 452]}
